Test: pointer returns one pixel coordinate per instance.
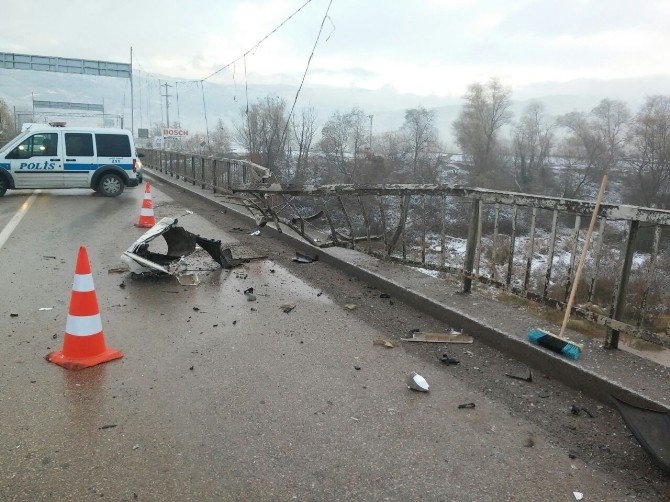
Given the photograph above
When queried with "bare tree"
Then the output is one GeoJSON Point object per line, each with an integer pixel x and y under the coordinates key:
{"type": "Point", "coordinates": [219, 140]}
{"type": "Point", "coordinates": [421, 135]}
{"type": "Point", "coordinates": [649, 153]}
{"type": "Point", "coordinates": [342, 143]}
{"type": "Point", "coordinates": [532, 142]}
{"type": "Point", "coordinates": [486, 110]}
{"type": "Point", "coordinates": [303, 135]}
{"type": "Point", "coordinates": [7, 127]}
{"type": "Point", "coordinates": [599, 135]}
{"type": "Point", "coordinates": [261, 131]}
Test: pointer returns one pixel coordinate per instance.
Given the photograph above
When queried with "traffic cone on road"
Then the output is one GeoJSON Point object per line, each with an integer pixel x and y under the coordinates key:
{"type": "Point", "coordinates": [84, 342]}
{"type": "Point", "coordinates": [147, 219]}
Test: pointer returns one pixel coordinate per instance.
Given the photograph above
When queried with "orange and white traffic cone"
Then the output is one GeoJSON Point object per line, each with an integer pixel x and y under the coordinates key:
{"type": "Point", "coordinates": [147, 219]}
{"type": "Point", "coordinates": [84, 342]}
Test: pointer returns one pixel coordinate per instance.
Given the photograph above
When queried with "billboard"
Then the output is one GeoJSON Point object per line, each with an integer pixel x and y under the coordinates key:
{"type": "Point", "coordinates": [142, 133]}
{"type": "Point", "coordinates": [169, 133]}
{"type": "Point", "coordinates": [12, 61]}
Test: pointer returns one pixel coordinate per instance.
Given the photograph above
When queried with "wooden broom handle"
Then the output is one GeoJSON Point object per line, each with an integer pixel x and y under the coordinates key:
{"type": "Point", "coordinates": [582, 257]}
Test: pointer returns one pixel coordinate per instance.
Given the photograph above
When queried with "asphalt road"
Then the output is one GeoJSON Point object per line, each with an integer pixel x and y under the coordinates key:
{"type": "Point", "coordinates": [218, 398]}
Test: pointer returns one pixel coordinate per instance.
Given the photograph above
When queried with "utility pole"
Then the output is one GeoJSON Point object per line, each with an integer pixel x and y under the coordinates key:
{"type": "Point", "coordinates": [167, 103]}
{"type": "Point", "coordinates": [370, 117]}
{"type": "Point", "coordinates": [132, 96]}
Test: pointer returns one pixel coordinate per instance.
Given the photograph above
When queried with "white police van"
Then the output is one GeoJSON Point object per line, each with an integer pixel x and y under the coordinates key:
{"type": "Point", "coordinates": [56, 156]}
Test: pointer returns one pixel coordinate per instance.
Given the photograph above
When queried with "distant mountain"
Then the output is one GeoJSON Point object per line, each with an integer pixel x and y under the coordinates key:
{"type": "Point", "coordinates": [226, 100]}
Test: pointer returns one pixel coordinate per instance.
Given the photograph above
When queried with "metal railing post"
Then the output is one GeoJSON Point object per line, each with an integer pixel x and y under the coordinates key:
{"type": "Point", "coordinates": [214, 176]}
{"type": "Point", "coordinates": [202, 171]}
{"type": "Point", "coordinates": [471, 246]}
{"type": "Point", "coordinates": [612, 336]}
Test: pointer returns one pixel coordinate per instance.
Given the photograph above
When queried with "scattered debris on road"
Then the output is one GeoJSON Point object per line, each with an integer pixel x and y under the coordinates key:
{"type": "Point", "coordinates": [417, 382]}
{"type": "Point", "coordinates": [466, 406]}
{"type": "Point", "coordinates": [305, 258]}
{"type": "Point", "coordinates": [287, 307]}
{"type": "Point", "coordinates": [118, 270]}
{"type": "Point", "coordinates": [418, 336]}
{"type": "Point", "coordinates": [350, 306]}
{"type": "Point", "coordinates": [576, 410]}
{"type": "Point", "coordinates": [578, 495]}
{"type": "Point", "coordinates": [449, 361]}
{"type": "Point", "coordinates": [529, 378]}
{"type": "Point", "coordinates": [109, 426]}
{"type": "Point", "coordinates": [181, 243]}
{"type": "Point", "coordinates": [357, 368]}
{"type": "Point", "coordinates": [389, 344]}
{"type": "Point", "coordinates": [256, 232]}
{"type": "Point", "coordinates": [249, 293]}
{"type": "Point", "coordinates": [13, 315]}
{"type": "Point", "coordinates": [45, 309]}
{"type": "Point", "coordinates": [386, 296]}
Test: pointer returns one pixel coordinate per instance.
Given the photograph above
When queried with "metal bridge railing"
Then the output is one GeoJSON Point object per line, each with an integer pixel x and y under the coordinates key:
{"type": "Point", "coordinates": [524, 244]}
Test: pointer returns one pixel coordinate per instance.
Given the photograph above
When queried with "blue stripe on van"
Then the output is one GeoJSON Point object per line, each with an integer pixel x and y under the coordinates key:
{"type": "Point", "coordinates": [93, 167]}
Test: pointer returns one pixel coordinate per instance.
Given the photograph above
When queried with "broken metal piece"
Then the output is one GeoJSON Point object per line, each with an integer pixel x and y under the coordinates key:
{"type": "Point", "coordinates": [529, 378]}
{"type": "Point", "coordinates": [417, 382]}
{"type": "Point", "coordinates": [305, 258]}
{"type": "Point", "coordinates": [287, 307]}
{"type": "Point", "coordinates": [389, 344]}
{"type": "Point", "coordinates": [439, 338]}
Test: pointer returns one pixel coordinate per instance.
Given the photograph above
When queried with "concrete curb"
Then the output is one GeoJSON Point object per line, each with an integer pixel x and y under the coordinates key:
{"type": "Point", "coordinates": [566, 371]}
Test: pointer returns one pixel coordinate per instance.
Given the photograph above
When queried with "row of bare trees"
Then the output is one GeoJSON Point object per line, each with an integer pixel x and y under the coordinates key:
{"type": "Point", "coordinates": [342, 149]}
{"type": "Point", "coordinates": [562, 155]}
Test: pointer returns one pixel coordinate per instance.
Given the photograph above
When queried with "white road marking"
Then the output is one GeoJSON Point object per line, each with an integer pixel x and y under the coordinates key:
{"type": "Point", "coordinates": [16, 219]}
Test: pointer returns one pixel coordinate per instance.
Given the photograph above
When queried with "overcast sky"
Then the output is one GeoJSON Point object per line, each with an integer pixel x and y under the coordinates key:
{"type": "Point", "coordinates": [417, 46]}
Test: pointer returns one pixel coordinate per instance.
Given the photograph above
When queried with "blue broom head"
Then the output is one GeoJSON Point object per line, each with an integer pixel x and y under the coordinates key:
{"type": "Point", "coordinates": [553, 343]}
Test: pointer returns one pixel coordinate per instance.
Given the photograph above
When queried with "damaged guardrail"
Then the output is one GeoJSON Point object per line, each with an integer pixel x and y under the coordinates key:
{"type": "Point", "coordinates": [520, 243]}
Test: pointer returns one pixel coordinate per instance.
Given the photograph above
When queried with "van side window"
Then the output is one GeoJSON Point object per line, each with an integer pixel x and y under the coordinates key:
{"type": "Point", "coordinates": [112, 145]}
{"type": "Point", "coordinates": [78, 144]}
{"type": "Point", "coordinates": [37, 145]}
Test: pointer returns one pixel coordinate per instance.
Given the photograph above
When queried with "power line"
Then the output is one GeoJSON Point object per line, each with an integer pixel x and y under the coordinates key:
{"type": "Point", "coordinates": [304, 75]}
{"type": "Point", "coordinates": [260, 41]}
{"type": "Point", "coordinates": [204, 107]}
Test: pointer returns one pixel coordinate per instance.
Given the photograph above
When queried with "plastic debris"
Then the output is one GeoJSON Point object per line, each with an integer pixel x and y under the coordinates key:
{"type": "Point", "coordinates": [529, 378]}
{"type": "Point", "coordinates": [13, 315]}
{"type": "Point", "coordinates": [118, 270]}
{"type": "Point", "coordinates": [350, 306]}
{"type": "Point", "coordinates": [249, 293]}
{"type": "Point", "coordinates": [466, 406]}
{"type": "Point", "coordinates": [305, 258]}
{"type": "Point", "coordinates": [389, 344]}
{"type": "Point", "coordinates": [449, 361]}
{"type": "Point", "coordinates": [385, 296]}
{"type": "Point", "coordinates": [180, 244]}
{"type": "Point", "coordinates": [42, 309]}
{"type": "Point", "coordinates": [578, 495]}
{"type": "Point", "coordinates": [188, 279]}
{"type": "Point", "coordinates": [417, 382]}
{"type": "Point", "coordinates": [418, 336]}
{"type": "Point", "coordinates": [287, 307]}
{"type": "Point", "coordinates": [255, 233]}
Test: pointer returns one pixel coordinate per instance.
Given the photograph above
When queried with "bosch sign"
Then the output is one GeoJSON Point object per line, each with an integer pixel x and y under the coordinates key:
{"type": "Point", "coordinates": [174, 133]}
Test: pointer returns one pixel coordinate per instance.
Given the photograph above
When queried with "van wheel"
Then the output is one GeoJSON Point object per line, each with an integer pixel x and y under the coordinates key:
{"type": "Point", "coordinates": [110, 185]}
{"type": "Point", "coordinates": [3, 185]}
